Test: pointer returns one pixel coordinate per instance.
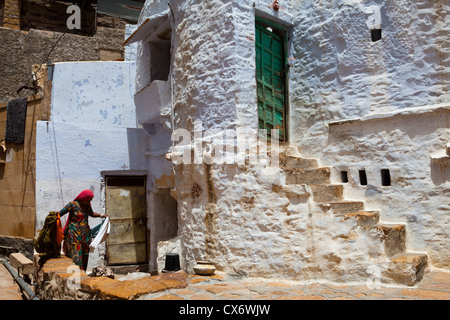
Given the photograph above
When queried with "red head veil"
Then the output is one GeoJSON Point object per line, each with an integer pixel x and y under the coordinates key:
{"type": "Point", "coordinates": [87, 195]}
{"type": "Point", "coordinates": [84, 195]}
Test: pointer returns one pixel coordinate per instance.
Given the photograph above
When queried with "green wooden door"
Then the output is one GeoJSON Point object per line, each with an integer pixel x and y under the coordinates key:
{"type": "Point", "coordinates": [270, 78]}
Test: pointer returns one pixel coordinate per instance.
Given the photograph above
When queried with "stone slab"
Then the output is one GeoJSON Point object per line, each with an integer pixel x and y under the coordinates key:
{"type": "Point", "coordinates": [19, 261]}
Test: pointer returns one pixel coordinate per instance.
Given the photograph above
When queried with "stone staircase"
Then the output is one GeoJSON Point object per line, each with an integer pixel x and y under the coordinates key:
{"type": "Point", "coordinates": [442, 157]}
{"type": "Point", "coordinates": [404, 267]}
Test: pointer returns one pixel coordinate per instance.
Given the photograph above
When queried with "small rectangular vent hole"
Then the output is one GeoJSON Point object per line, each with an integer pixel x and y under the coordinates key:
{"type": "Point", "coordinates": [375, 34]}
{"type": "Point", "coordinates": [362, 177]}
{"type": "Point", "coordinates": [385, 177]}
{"type": "Point", "coordinates": [344, 176]}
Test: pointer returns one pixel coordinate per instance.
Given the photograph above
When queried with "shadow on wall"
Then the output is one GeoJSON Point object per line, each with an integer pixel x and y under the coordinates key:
{"type": "Point", "coordinates": [137, 146]}
{"type": "Point", "coordinates": [440, 172]}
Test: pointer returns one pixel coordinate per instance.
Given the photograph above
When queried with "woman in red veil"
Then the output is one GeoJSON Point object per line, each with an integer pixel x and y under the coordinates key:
{"type": "Point", "coordinates": [77, 233]}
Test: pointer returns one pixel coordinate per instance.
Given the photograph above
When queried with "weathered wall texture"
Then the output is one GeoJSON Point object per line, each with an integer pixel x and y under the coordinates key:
{"type": "Point", "coordinates": [92, 131]}
{"type": "Point", "coordinates": [17, 174]}
{"type": "Point", "coordinates": [245, 221]}
{"type": "Point", "coordinates": [213, 70]}
{"type": "Point", "coordinates": [399, 86]}
{"type": "Point", "coordinates": [153, 8]}
{"type": "Point", "coordinates": [247, 224]}
{"type": "Point", "coordinates": [95, 132]}
{"type": "Point", "coordinates": [88, 132]}
{"type": "Point", "coordinates": [99, 95]}
{"type": "Point", "coordinates": [405, 144]}
{"type": "Point", "coordinates": [21, 49]}
{"type": "Point", "coordinates": [231, 214]}
{"type": "Point", "coordinates": [339, 73]}
{"type": "Point", "coordinates": [153, 101]}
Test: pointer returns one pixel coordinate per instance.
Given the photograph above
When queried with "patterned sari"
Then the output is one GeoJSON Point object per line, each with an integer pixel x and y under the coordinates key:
{"type": "Point", "coordinates": [77, 233]}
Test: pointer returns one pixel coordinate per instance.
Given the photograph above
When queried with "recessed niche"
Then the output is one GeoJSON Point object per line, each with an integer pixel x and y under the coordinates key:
{"type": "Point", "coordinates": [385, 177]}
{"type": "Point", "coordinates": [160, 60]}
{"type": "Point", "coordinates": [362, 177]}
{"type": "Point", "coordinates": [375, 34]}
{"type": "Point", "coordinates": [344, 176]}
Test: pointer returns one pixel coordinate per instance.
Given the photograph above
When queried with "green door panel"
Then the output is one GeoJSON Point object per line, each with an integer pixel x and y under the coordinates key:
{"type": "Point", "coordinates": [270, 78]}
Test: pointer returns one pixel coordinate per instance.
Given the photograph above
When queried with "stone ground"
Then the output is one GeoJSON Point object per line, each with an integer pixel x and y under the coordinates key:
{"type": "Point", "coordinates": [434, 286]}
{"type": "Point", "coordinates": [8, 289]}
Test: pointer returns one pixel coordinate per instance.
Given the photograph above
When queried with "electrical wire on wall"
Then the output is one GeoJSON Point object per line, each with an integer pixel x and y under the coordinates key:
{"type": "Point", "coordinates": [34, 74]}
{"type": "Point", "coordinates": [58, 166]}
{"type": "Point", "coordinates": [27, 87]}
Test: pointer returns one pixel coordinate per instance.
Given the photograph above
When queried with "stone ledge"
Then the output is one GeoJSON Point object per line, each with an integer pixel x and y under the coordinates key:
{"type": "Point", "coordinates": [407, 268]}
{"type": "Point", "coordinates": [60, 279]}
{"type": "Point", "coordinates": [19, 261]}
{"type": "Point", "coordinates": [444, 107]}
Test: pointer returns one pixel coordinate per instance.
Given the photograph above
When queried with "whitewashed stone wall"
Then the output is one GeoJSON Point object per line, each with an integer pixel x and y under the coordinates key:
{"type": "Point", "coordinates": [152, 8]}
{"type": "Point", "coordinates": [405, 144]}
{"type": "Point", "coordinates": [339, 73]}
{"type": "Point", "coordinates": [236, 216]}
{"type": "Point", "coordinates": [130, 50]}
{"type": "Point", "coordinates": [214, 63]}
{"type": "Point", "coordinates": [95, 93]}
{"type": "Point", "coordinates": [398, 86]}
{"type": "Point", "coordinates": [93, 130]}
{"type": "Point", "coordinates": [237, 220]}
{"type": "Point", "coordinates": [92, 107]}
{"type": "Point", "coordinates": [230, 214]}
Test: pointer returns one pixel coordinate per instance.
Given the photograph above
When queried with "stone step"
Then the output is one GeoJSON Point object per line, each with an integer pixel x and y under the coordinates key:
{"type": "Point", "coordinates": [55, 282]}
{"type": "Point", "coordinates": [24, 265]}
{"type": "Point", "coordinates": [291, 161]}
{"type": "Point", "coordinates": [327, 192]}
{"type": "Point", "coordinates": [393, 236]}
{"type": "Point", "coordinates": [346, 206]}
{"type": "Point", "coordinates": [407, 268]}
{"type": "Point", "coordinates": [308, 176]}
{"type": "Point", "coordinates": [364, 218]}
{"type": "Point", "coordinates": [288, 149]}
{"type": "Point", "coordinates": [292, 189]}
